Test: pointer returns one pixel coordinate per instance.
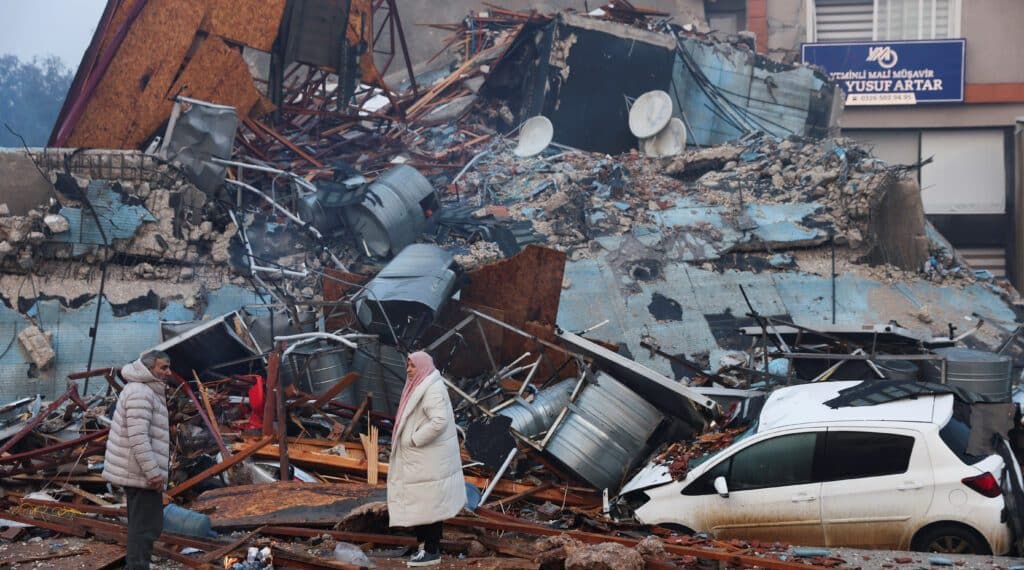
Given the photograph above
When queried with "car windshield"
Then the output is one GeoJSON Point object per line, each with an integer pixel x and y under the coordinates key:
{"type": "Point", "coordinates": [751, 430]}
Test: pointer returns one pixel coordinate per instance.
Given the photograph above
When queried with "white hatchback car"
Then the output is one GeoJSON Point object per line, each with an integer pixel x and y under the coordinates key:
{"type": "Point", "coordinates": [892, 475]}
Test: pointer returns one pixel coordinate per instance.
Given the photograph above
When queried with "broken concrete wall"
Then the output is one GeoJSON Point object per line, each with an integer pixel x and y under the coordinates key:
{"type": "Point", "coordinates": [787, 29]}
{"type": "Point", "coordinates": [898, 226]}
{"type": "Point", "coordinates": [561, 70]}
{"type": "Point", "coordinates": [425, 41]}
{"type": "Point", "coordinates": [167, 262]}
{"type": "Point", "coordinates": [125, 330]}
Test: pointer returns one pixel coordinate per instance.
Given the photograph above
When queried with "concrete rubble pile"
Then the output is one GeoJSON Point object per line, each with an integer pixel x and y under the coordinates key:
{"type": "Point", "coordinates": [594, 307]}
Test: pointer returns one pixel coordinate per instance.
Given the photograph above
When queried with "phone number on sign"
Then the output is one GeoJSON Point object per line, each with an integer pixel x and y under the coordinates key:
{"type": "Point", "coordinates": [881, 99]}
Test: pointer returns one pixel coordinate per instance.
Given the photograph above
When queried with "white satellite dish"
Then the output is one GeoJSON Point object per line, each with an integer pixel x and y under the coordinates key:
{"type": "Point", "coordinates": [669, 142]}
{"type": "Point", "coordinates": [650, 114]}
{"type": "Point", "coordinates": [534, 136]}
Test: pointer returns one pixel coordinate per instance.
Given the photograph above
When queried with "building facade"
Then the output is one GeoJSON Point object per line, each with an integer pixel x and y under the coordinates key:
{"type": "Point", "coordinates": [966, 126]}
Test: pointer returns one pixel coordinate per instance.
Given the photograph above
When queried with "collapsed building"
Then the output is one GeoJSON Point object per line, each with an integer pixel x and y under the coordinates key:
{"type": "Point", "coordinates": [288, 227]}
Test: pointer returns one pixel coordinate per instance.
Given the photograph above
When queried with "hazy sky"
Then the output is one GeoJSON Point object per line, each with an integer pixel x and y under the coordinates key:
{"type": "Point", "coordinates": [43, 27]}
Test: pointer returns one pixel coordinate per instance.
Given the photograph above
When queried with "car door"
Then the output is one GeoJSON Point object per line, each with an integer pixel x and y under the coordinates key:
{"type": "Point", "coordinates": [773, 492]}
{"type": "Point", "coordinates": [876, 484]}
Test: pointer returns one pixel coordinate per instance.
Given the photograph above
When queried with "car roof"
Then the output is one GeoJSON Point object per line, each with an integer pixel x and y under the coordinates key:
{"type": "Point", "coordinates": [805, 404]}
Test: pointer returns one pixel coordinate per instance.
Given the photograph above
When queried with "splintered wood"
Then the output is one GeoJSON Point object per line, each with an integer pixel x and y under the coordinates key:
{"type": "Point", "coordinates": [371, 445]}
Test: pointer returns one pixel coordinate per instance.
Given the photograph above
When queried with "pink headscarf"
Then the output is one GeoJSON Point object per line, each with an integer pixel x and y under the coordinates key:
{"type": "Point", "coordinates": [424, 367]}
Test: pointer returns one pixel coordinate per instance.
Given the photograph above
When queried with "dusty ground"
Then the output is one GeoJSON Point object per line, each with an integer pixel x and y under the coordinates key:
{"type": "Point", "coordinates": [882, 559]}
{"type": "Point", "coordinates": [92, 551]}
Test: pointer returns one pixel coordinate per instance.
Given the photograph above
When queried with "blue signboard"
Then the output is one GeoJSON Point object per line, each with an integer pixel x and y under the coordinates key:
{"type": "Point", "coordinates": [893, 73]}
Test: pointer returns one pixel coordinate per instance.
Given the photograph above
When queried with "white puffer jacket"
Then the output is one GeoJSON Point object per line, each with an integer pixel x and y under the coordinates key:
{"type": "Point", "coordinates": [139, 444]}
{"type": "Point", "coordinates": [425, 482]}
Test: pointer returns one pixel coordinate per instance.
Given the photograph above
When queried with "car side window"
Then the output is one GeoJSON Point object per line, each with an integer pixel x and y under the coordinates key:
{"type": "Point", "coordinates": [705, 484]}
{"type": "Point", "coordinates": [858, 454]}
{"type": "Point", "coordinates": [777, 462]}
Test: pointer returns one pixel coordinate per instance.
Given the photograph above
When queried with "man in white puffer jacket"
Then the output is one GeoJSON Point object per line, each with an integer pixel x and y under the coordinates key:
{"type": "Point", "coordinates": [138, 452]}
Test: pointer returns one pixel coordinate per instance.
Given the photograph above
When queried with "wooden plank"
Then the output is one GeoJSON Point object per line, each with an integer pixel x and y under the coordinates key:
{"type": "Point", "coordinates": [286, 503]}
{"type": "Point", "coordinates": [85, 495]}
{"type": "Point", "coordinates": [254, 125]}
{"type": "Point", "coordinates": [518, 496]}
{"type": "Point", "coordinates": [360, 411]}
{"type": "Point", "coordinates": [423, 102]}
{"type": "Point", "coordinates": [370, 443]}
{"type": "Point", "coordinates": [331, 392]}
{"type": "Point", "coordinates": [220, 467]}
{"type": "Point", "coordinates": [270, 392]}
{"type": "Point", "coordinates": [355, 463]}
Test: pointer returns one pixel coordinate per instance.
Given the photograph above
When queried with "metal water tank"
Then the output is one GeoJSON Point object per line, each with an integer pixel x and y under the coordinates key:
{"type": "Point", "coordinates": [532, 418]}
{"type": "Point", "coordinates": [605, 433]}
{"type": "Point", "coordinates": [264, 326]}
{"type": "Point", "coordinates": [390, 215]}
{"type": "Point", "coordinates": [381, 370]}
{"type": "Point", "coordinates": [319, 365]}
{"type": "Point", "coordinates": [898, 369]}
{"type": "Point", "coordinates": [977, 371]}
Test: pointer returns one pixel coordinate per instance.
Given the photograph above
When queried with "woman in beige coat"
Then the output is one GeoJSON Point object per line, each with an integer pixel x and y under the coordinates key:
{"type": "Point", "coordinates": [425, 482]}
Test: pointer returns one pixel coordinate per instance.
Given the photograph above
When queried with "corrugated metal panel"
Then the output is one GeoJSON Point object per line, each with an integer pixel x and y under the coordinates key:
{"type": "Point", "coordinates": [605, 433]}
{"type": "Point", "coordinates": [844, 20]}
{"type": "Point", "coordinates": [992, 259]}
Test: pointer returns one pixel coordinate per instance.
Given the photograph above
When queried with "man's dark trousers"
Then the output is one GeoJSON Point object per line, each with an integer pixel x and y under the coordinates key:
{"type": "Point", "coordinates": [145, 523]}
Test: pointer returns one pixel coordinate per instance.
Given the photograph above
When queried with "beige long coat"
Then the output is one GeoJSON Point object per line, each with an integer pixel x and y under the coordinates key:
{"type": "Point", "coordinates": [425, 482]}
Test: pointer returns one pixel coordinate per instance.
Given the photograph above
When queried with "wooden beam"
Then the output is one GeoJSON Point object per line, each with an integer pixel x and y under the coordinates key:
{"type": "Point", "coordinates": [355, 463]}
{"type": "Point", "coordinates": [270, 392]}
{"type": "Point", "coordinates": [85, 495]}
{"type": "Point", "coordinates": [331, 392]}
{"type": "Point", "coordinates": [220, 467]}
{"type": "Point", "coordinates": [520, 495]}
{"type": "Point", "coordinates": [284, 470]}
{"type": "Point", "coordinates": [254, 124]}
{"type": "Point", "coordinates": [357, 416]}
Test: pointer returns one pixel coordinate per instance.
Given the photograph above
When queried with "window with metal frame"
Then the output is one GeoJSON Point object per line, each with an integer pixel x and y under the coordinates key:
{"type": "Point", "coordinates": [880, 20]}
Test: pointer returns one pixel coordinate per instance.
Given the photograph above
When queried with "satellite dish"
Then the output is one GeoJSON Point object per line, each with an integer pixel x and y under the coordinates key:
{"type": "Point", "coordinates": [669, 142]}
{"type": "Point", "coordinates": [650, 114]}
{"type": "Point", "coordinates": [534, 136]}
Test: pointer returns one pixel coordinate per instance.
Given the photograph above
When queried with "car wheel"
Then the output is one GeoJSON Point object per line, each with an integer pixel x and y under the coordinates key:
{"type": "Point", "coordinates": [950, 539]}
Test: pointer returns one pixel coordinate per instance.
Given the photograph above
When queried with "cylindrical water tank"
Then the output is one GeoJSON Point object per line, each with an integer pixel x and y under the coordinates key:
{"type": "Point", "coordinates": [898, 369]}
{"type": "Point", "coordinates": [381, 370]}
{"type": "Point", "coordinates": [391, 215]}
{"type": "Point", "coordinates": [319, 365]}
{"type": "Point", "coordinates": [532, 418]}
{"type": "Point", "coordinates": [977, 371]}
{"type": "Point", "coordinates": [605, 433]}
